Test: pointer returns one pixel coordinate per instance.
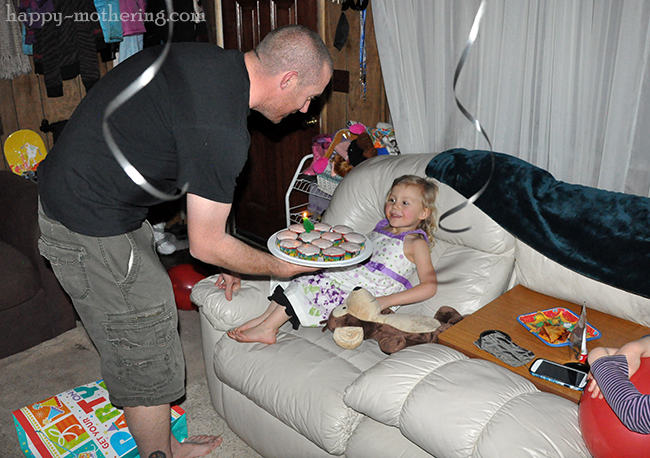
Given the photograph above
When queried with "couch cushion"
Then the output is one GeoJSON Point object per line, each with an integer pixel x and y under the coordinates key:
{"type": "Point", "coordinates": [539, 273]}
{"type": "Point", "coordinates": [457, 407]}
{"type": "Point", "coordinates": [300, 380]}
{"type": "Point", "coordinates": [20, 279]}
{"type": "Point", "coordinates": [377, 440]}
{"type": "Point", "coordinates": [467, 278]}
{"type": "Point", "coordinates": [267, 435]}
{"type": "Point", "coordinates": [376, 394]}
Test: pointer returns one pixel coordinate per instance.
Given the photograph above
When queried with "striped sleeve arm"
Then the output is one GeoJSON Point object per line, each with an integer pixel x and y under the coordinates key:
{"type": "Point", "coordinates": [631, 407]}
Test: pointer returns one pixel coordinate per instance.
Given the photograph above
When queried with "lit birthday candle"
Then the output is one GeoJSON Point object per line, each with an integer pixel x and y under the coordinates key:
{"type": "Point", "coordinates": [306, 223]}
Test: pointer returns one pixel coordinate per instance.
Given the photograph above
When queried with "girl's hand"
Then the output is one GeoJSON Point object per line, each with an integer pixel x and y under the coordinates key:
{"type": "Point", "coordinates": [594, 355]}
{"type": "Point", "coordinates": [593, 387]}
{"type": "Point", "coordinates": [384, 302]}
{"type": "Point", "coordinates": [229, 283]}
{"type": "Point", "coordinates": [634, 351]}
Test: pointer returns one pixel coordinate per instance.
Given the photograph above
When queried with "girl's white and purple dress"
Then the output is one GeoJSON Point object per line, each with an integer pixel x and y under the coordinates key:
{"type": "Point", "coordinates": [313, 297]}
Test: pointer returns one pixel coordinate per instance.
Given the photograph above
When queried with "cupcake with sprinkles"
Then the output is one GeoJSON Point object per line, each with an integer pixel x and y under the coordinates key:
{"type": "Point", "coordinates": [333, 254]}
{"type": "Point", "coordinates": [333, 237]}
{"type": "Point", "coordinates": [355, 237]}
{"type": "Point", "coordinates": [351, 249]}
{"type": "Point", "coordinates": [289, 246]}
{"type": "Point", "coordinates": [308, 252]}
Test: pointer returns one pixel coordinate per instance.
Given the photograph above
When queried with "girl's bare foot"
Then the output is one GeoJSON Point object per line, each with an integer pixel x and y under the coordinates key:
{"type": "Point", "coordinates": [254, 322]}
{"type": "Point", "coordinates": [259, 333]}
{"type": "Point", "coordinates": [195, 446]}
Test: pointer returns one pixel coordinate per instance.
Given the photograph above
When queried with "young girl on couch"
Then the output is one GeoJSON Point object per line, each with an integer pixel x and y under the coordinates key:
{"type": "Point", "coordinates": [401, 245]}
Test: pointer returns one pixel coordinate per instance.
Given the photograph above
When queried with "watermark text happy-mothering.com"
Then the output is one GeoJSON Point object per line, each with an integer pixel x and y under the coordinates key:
{"type": "Point", "coordinates": [160, 18]}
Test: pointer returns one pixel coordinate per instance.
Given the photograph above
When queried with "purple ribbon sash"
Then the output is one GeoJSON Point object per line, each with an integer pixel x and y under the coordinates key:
{"type": "Point", "coordinates": [378, 267]}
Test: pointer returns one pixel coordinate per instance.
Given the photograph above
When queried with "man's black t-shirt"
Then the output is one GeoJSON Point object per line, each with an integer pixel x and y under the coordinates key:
{"type": "Point", "coordinates": [188, 125]}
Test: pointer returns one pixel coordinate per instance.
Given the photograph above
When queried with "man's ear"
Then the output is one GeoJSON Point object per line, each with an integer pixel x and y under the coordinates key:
{"type": "Point", "coordinates": [288, 79]}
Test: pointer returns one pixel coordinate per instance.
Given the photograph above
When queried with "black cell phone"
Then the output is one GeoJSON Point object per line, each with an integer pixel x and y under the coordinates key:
{"type": "Point", "coordinates": [557, 373]}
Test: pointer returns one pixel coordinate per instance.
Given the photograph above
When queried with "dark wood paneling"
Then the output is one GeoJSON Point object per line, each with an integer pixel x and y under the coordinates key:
{"type": "Point", "coordinates": [24, 104]}
{"type": "Point", "coordinates": [342, 107]}
{"type": "Point", "coordinates": [276, 150]}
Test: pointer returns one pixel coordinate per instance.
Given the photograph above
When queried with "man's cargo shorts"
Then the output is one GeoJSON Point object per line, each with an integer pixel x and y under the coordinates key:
{"type": "Point", "coordinates": [125, 300]}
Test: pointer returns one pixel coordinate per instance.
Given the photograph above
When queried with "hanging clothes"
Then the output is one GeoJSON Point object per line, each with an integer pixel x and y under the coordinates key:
{"type": "Point", "coordinates": [129, 46]}
{"type": "Point", "coordinates": [35, 13]}
{"type": "Point", "coordinates": [13, 62]}
{"type": "Point", "coordinates": [109, 13]}
{"type": "Point", "coordinates": [27, 48]}
{"type": "Point", "coordinates": [133, 17]}
{"type": "Point", "coordinates": [68, 47]}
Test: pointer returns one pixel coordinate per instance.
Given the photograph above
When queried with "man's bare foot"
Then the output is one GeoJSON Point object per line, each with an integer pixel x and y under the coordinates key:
{"type": "Point", "coordinates": [196, 446]}
{"type": "Point", "coordinates": [259, 333]}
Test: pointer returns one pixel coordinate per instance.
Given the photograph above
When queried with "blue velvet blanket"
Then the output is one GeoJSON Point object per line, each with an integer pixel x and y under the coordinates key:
{"type": "Point", "coordinates": [600, 234]}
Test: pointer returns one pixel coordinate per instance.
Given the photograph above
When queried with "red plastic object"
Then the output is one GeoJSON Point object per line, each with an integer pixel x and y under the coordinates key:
{"type": "Point", "coordinates": [602, 431]}
{"type": "Point", "coordinates": [184, 277]}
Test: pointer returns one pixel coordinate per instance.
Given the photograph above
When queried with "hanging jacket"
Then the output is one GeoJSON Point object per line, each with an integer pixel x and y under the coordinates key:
{"type": "Point", "coordinates": [61, 52]}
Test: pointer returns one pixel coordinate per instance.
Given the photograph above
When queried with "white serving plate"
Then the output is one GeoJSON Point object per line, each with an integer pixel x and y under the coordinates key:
{"type": "Point", "coordinates": [366, 252]}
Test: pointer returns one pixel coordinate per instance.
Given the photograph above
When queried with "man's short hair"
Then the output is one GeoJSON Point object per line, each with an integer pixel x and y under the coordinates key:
{"type": "Point", "coordinates": [294, 48]}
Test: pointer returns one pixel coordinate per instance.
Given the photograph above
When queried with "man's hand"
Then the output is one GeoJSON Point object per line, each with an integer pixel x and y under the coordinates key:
{"type": "Point", "coordinates": [288, 270]}
{"type": "Point", "coordinates": [209, 242]}
{"type": "Point", "coordinates": [228, 282]}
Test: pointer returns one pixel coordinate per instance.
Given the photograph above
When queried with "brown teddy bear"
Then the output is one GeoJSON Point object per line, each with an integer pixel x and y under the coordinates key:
{"type": "Point", "coordinates": [359, 318]}
{"type": "Point", "coordinates": [340, 166]}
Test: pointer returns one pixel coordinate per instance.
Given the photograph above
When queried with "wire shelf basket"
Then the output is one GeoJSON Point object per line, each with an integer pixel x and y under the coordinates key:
{"type": "Point", "coordinates": [328, 183]}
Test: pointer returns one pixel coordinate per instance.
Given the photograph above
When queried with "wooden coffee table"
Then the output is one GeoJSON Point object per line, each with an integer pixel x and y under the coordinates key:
{"type": "Point", "coordinates": [502, 313]}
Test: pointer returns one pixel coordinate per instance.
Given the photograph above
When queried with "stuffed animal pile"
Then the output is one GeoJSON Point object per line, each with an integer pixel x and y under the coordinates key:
{"type": "Point", "coordinates": [337, 154]}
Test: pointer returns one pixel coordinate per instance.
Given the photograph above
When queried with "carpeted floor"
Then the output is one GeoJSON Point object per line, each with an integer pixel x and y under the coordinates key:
{"type": "Point", "coordinates": [71, 360]}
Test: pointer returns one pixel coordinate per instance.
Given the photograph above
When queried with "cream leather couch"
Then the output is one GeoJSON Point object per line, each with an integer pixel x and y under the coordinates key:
{"type": "Point", "coordinates": [306, 397]}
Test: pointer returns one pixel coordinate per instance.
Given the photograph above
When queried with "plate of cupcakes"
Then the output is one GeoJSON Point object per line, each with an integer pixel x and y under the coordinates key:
{"type": "Point", "coordinates": [323, 246]}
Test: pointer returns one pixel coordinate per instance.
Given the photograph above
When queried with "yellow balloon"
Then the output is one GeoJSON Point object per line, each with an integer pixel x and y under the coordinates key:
{"type": "Point", "coordinates": [24, 150]}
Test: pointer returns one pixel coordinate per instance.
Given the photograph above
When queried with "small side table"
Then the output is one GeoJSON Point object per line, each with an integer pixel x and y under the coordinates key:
{"type": "Point", "coordinates": [502, 313]}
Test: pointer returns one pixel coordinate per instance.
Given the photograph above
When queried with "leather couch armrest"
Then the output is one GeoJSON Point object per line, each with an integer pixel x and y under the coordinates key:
{"type": "Point", "coordinates": [247, 303]}
{"type": "Point", "coordinates": [453, 406]}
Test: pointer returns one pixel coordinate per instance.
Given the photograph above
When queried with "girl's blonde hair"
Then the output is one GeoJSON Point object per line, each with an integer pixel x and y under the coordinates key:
{"type": "Point", "coordinates": [429, 193]}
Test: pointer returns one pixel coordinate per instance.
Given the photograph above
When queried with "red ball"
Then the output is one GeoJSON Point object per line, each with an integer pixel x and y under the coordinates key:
{"type": "Point", "coordinates": [184, 277]}
{"type": "Point", "coordinates": [604, 434]}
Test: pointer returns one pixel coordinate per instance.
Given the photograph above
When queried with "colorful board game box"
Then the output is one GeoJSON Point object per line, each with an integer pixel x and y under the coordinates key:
{"type": "Point", "coordinates": [81, 423]}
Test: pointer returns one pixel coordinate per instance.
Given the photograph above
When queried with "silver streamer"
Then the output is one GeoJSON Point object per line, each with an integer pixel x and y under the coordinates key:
{"type": "Point", "coordinates": [132, 89]}
{"type": "Point", "coordinates": [473, 33]}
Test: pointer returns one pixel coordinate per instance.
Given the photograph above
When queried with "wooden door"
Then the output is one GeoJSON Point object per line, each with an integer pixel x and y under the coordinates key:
{"type": "Point", "coordinates": [276, 149]}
